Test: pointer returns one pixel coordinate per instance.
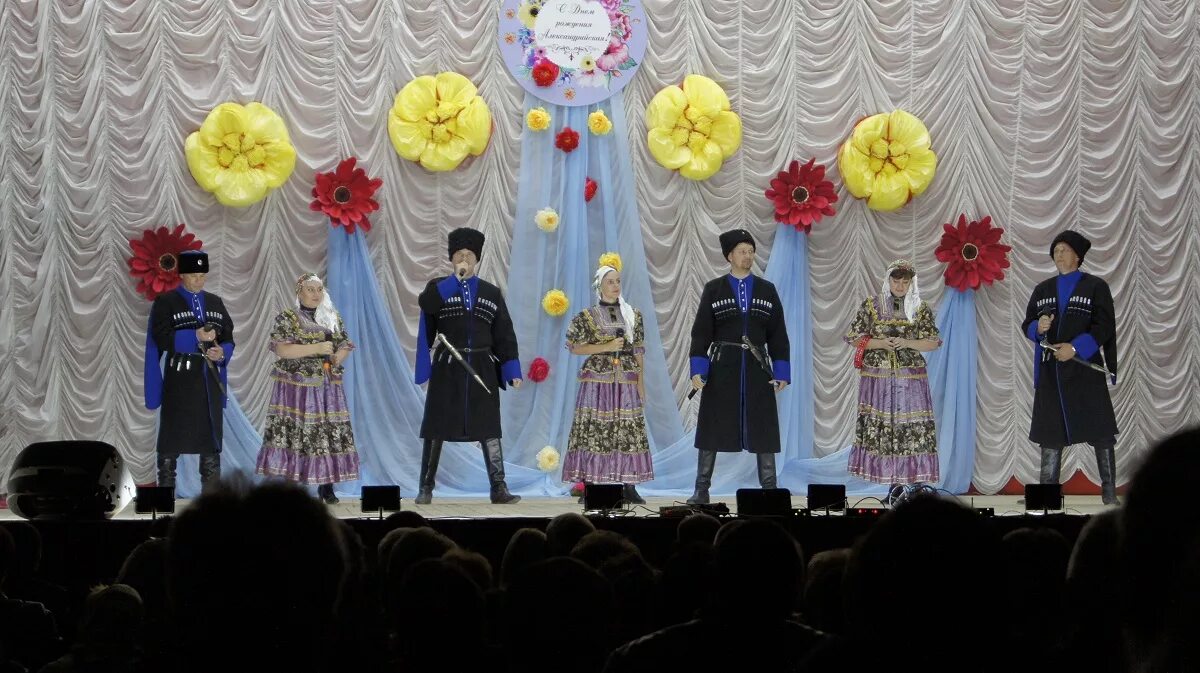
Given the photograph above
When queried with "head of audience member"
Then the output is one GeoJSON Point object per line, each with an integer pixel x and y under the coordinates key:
{"type": "Point", "coordinates": [759, 572]}
{"type": "Point", "coordinates": [526, 547]}
{"type": "Point", "coordinates": [567, 609]}
{"type": "Point", "coordinates": [700, 527]}
{"type": "Point", "coordinates": [1035, 565]}
{"type": "Point", "coordinates": [8, 555]}
{"type": "Point", "coordinates": [565, 531]}
{"type": "Point", "coordinates": [243, 565]}
{"type": "Point", "coordinates": [405, 519]}
{"type": "Point", "coordinates": [687, 580]}
{"type": "Point", "coordinates": [443, 611]}
{"type": "Point", "coordinates": [1092, 598]}
{"type": "Point", "coordinates": [28, 542]}
{"type": "Point", "coordinates": [601, 547]}
{"type": "Point", "coordinates": [824, 607]}
{"type": "Point", "coordinates": [110, 627]}
{"type": "Point", "coordinates": [473, 564]}
{"type": "Point", "coordinates": [145, 570]}
{"type": "Point", "coordinates": [923, 544]}
{"type": "Point", "coordinates": [1159, 536]}
{"type": "Point", "coordinates": [418, 544]}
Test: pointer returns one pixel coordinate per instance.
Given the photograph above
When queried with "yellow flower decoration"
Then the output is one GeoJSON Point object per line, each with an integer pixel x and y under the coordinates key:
{"type": "Point", "coordinates": [547, 459]}
{"type": "Point", "coordinates": [692, 128]}
{"type": "Point", "coordinates": [240, 153]}
{"type": "Point", "coordinates": [611, 259]}
{"type": "Point", "coordinates": [587, 63]}
{"type": "Point", "coordinates": [546, 219]}
{"type": "Point", "coordinates": [537, 119]}
{"type": "Point", "coordinates": [555, 303]}
{"type": "Point", "coordinates": [438, 121]}
{"type": "Point", "coordinates": [528, 12]}
{"type": "Point", "coordinates": [599, 123]}
{"type": "Point", "coordinates": [887, 160]}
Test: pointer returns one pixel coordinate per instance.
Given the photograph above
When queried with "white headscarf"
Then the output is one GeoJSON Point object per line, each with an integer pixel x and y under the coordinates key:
{"type": "Point", "coordinates": [627, 314]}
{"type": "Point", "coordinates": [326, 315]}
{"type": "Point", "coordinates": [912, 300]}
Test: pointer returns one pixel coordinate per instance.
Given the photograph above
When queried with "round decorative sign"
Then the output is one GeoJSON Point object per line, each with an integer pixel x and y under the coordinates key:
{"type": "Point", "coordinates": [572, 52]}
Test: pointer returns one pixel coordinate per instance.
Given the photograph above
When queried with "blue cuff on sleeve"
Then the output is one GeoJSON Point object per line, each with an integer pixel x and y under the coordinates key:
{"type": "Point", "coordinates": [448, 287]}
{"type": "Point", "coordinates": [781, 370]}
{"type": "Point", "coordinates": [1031, 332]}
{"type": "Point", "coordinates": [1085, 346]}
{"type": "Point", "coordinates": [699, 366]}
{"type": "Point", "coordinates": [510, 370]}
{"type": "Point", "coordinates": [228, 348]}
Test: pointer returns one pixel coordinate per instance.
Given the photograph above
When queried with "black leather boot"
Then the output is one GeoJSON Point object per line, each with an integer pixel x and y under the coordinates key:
{"type": "Point", "coordinates": [493, 457]}
{"type": "Point", "coordinates": [1051, 464]}
{"type": "Point", "coordinates": [210, 468]}
{"type": "Point", "coordinates": [431, 452]}
{"type": "Point", "coordinates": [766, 470]}
{"type": "Point", "coordinates": [326, 494]}
{"type": "Point", "coordinates": [704, 471]}
{"type": "Point", "coordinates": [1106, 465]}
{"type": "Point", "coordinates": [631, 495]}
{"type": "Point", "coordinates": [166, 469]}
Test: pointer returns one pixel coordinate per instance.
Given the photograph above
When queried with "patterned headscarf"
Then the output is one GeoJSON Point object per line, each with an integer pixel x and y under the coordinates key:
{"type": "Point", "coordinates": [627, 314]}
{"type": "Point", "coordinates": [326, 315]}
{"type": "Point", "coordinates": [912, 300]}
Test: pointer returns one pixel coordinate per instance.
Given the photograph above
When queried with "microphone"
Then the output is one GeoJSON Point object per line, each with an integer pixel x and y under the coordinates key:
{"type": "Point", "coordinates": [693, 393]}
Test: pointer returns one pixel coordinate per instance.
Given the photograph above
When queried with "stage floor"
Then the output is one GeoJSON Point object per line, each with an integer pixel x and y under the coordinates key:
{"type": "Point", "coordinates": [533, 508]}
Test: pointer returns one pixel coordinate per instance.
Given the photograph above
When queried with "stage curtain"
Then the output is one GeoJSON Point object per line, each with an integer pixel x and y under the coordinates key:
{"type": "Point", "coordinates": [1045, 114]}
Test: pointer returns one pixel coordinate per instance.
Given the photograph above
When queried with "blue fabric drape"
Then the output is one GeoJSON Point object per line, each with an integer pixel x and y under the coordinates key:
{"type": "Point", "coordinates": [952, 380]}
{"type": "Point", "coordinates": [540, 414]}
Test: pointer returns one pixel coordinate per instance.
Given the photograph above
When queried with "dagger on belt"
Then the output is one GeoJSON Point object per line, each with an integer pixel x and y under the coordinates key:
{"type": "Point", "coordinates": [441, 339]}
{"type": "Point", "coordinates": [747, 345]}
{"type": "Point", "coordinates": [1044, 343]}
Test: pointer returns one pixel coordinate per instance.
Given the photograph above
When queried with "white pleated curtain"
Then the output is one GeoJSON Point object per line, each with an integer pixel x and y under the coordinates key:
{"type": "Point", "coordinates": [1045, 114]}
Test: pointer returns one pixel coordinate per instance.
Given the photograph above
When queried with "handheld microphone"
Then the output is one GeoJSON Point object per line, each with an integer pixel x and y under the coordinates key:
{"type": "Point", "coordinates": [462, 271]}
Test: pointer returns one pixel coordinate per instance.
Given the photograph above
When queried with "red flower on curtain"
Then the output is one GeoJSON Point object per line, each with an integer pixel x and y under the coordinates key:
{"type": "Point", "coordinates": [345, 196]}
{"type": "Point", "coordinates": [539, 369]}
{"type": "Point", "coordinates": [545, 72]}
{"type": "Point", "coordinates": [155, 260]}
{"type": "Point", "coordinates": [589, 189]}
{"type": "Point", "coordinates": [802, 195]}
{"type": "Point", "coordinates": [567, 139]}
{"type": "Point", "coordinates": [972, 253]}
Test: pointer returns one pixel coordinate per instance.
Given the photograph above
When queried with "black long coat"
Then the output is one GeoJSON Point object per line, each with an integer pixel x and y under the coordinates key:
{"type": "Point", "coordinates": [191, 420]}
{"type": "Point", "coordinates": [737, 405]}
{"type": "Point", "coordinates": [456, 408]}
{"type": "Point", "coordinates": [1071, 403]}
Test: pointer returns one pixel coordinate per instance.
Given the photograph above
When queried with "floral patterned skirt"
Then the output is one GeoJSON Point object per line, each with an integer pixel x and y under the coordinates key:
{"type": "Point", "coordinates": [608, 436]}
{"type": "Point", "coordinates": [308, 437]}
{"type": "Point", "coordinates": [895, 441]}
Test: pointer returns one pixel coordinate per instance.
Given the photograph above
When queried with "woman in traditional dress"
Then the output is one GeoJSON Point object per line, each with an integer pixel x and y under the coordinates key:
{"type": "Point", "coordinates": [308, 437]}
{"type": "Point", "coordinates": [895, 441]}
{"type": "Point", "coordinates": [608, 435]}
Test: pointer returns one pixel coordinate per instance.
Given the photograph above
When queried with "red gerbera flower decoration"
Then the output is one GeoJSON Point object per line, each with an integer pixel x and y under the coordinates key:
{"type": "Point", "coordinates": [155, 261]}
{"type": "Point", "coordinates": [567, 139]}
{"type": "Point", "coordinates": [589, 189]}
{"type": "Point", "coordinates": [345, 196]}
{"type": "Point", "coordinates": [539, 369]}
{"type": "Point", "coordinates": [802, 195]}
{"type": "Point", "coordinates": [972, 253]}
{"type": "Point", "coordinates": [545, 72]}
